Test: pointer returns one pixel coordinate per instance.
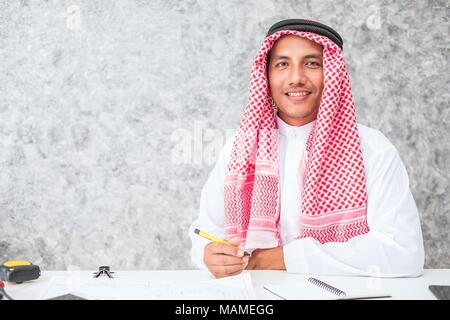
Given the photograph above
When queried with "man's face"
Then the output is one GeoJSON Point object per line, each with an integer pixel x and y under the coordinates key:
{"type": "Point", "coordinates": [296, 79]}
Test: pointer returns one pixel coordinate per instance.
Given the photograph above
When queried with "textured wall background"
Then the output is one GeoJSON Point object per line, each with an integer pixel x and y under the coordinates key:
{"type": "Point", "coordinates": [112, 113]}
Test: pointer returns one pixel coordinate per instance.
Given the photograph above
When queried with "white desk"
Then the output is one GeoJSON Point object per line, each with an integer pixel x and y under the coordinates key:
{"type": "Point", "coordinates": [399, 288]}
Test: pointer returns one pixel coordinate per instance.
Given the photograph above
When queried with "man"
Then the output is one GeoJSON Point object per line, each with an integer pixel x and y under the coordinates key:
{"type": "Point", "coordinates": [302, 186]}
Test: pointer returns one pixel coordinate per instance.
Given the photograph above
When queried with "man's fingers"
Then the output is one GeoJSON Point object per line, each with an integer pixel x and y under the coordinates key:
{"type": "Point", "coordinates": [225, 260]}
{"type": "Point", "coordinates": [245, 260]}
{"type": "Point", "coordinates": [223, 271]}
{"type": "Point", "coordinates": [236, 241]}
{"type": "Point", "coordinates": [222, 248]}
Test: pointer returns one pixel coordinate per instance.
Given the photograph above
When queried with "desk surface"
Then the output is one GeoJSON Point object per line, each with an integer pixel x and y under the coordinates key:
{"type": "Point", "coordinates": [399, 288]}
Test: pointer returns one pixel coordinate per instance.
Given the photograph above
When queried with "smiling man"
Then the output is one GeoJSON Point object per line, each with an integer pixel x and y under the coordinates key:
{"type": "Point", "coordinates": [302, 186]}
{"type": "Point", "coordinates": [296, 79]}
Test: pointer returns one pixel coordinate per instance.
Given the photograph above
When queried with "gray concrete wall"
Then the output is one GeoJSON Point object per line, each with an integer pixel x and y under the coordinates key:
{"type": "Point", "coordinates": [112, 113]}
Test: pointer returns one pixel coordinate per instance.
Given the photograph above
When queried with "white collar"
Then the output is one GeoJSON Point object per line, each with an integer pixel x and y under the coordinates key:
{"type": "Point", "coordinates": [293, 131]}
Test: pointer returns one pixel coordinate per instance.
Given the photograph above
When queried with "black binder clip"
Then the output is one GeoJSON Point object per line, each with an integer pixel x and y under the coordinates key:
{"type": "Point", "coordinates": [103, 270]}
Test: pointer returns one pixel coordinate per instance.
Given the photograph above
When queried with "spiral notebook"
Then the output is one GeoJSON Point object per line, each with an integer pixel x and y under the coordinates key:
{"type": "Point", "coordinates": [315, 289]}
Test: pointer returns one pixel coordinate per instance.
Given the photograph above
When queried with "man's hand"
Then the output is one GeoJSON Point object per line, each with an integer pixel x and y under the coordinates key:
{"type": "Point", "coordinates": [223, 260]}
{"type": "Point", "coordinates": [267, 259]}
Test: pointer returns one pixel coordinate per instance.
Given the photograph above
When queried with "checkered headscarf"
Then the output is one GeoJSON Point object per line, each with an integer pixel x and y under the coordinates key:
{"type": "Point", "coordinates": [331, 172]}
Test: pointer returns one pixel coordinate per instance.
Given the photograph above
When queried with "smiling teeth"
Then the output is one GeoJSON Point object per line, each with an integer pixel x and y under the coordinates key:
{"type": "Point", "coordinates": [297, 94]}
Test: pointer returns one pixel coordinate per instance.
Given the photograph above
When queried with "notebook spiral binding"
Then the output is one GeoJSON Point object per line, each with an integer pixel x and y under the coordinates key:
{"type": "Point", "coordinates": [327, 287]}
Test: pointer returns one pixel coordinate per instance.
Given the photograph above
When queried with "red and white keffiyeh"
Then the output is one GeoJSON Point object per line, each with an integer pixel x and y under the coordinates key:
{"type": "Point", "coordinates": [331, 173]}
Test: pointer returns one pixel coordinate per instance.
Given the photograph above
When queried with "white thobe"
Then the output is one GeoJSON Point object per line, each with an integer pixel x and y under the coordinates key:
{"type": "Point", "coordinates": [392, 248]}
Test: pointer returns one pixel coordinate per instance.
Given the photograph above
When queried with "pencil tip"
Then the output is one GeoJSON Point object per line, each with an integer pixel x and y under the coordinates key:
{"type": "Point", "coordinates": [197, 231]}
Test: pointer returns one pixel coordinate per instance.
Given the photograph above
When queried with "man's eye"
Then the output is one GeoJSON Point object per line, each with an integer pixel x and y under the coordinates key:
{"type": "Point", "coordinates": [313, 64]}
{"type": "Point", "coordinates": [281, 64]}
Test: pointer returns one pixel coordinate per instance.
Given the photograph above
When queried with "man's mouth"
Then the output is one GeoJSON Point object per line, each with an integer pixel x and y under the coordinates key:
{"type": "Point", "coordinates": [298, 95]}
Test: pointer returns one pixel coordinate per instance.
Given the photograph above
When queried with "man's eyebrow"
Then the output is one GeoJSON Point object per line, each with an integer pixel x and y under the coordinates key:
{"type": "Point", "coordinates": [308, 56]}
{"type": "Point", "coordinates": [278, 57]}
{"type": "Point", "coordinates": [313, 56]}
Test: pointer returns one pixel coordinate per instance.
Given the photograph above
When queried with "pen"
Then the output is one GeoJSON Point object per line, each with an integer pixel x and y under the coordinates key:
{"type": "Point", "coordinates": [215, 239]}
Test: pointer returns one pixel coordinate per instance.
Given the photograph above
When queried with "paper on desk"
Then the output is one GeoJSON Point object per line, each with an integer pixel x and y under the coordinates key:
{"type": "Point", "coordinates": [238, 287]}
{"type": "Point", "coordinates": [93, 289]}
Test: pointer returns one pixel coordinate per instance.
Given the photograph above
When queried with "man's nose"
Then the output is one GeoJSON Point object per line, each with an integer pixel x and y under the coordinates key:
{"type": "Point", "coordinates": [297, 76]}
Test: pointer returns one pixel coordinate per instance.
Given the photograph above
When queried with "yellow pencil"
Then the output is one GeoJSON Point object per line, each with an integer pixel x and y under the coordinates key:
{"type": "Point", "coordinates": [215, 239]}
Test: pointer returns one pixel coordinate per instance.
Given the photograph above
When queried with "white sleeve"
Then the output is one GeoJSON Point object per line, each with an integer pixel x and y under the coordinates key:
{"type": "Point", "coordinates": [394, 245]}
{"type": "Point", "coordinates": [211, 215]}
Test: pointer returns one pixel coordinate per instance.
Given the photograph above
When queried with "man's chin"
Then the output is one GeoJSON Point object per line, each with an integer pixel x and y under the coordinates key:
{"type": "Point", "coordinates": [294, 115]}
{"type": "Point", "coordinates": [296, 118]}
